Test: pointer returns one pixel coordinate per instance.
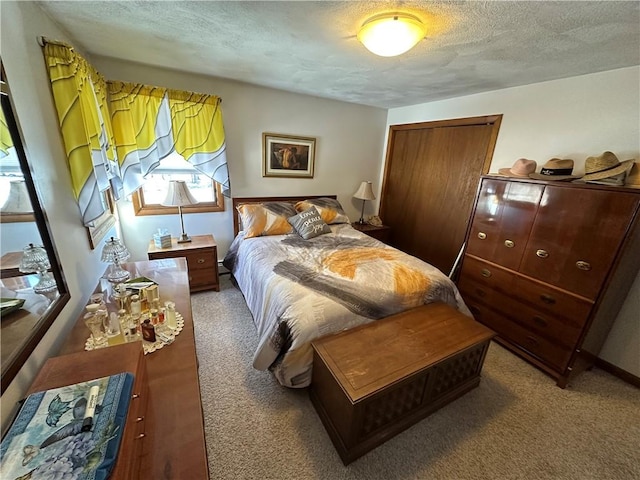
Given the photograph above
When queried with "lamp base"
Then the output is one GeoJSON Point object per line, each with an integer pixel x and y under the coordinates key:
{"type": "Point", "coordinates": [184, 238]}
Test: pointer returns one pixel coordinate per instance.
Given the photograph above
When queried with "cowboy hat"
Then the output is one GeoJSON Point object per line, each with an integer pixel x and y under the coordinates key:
{"type": "Point", "coordinates": [604, 166]}
{"type": "Point", "coordinates": [521, 168]}
{"type": "Point", "coordinates": [555, 169]}
{"type": "Point", "coordinates": [633, 178]}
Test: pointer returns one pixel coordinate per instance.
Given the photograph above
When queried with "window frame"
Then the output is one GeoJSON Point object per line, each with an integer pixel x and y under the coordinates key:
{"type": "Point", "coordinates": [141, 208]}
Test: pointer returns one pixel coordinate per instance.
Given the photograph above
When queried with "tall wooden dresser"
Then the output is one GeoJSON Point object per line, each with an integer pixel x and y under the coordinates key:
{"type": "Point", "coordinates": [548, 265]}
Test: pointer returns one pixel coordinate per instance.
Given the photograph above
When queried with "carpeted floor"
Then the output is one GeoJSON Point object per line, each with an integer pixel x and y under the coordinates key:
{"type": "Point", "coordinates": [516, 425]}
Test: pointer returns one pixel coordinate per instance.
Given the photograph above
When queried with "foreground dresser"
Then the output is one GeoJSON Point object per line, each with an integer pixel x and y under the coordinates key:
{"type": "Point", "coordinates": [548, 265]}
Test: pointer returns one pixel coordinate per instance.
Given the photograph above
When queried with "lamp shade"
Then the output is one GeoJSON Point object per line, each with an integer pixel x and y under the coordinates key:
{"type": "Point", "coordinates": [178, 195]}
{"type": "Point", "coordinates": [18, 199]}
{"type": "Point", "coordinates": [365, 192]}
{"type": "Point", "coordinates": [391, 34]}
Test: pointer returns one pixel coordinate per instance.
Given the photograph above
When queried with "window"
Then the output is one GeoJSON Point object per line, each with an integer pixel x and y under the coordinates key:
{"type": "Point", "coordinates": [147, 200]}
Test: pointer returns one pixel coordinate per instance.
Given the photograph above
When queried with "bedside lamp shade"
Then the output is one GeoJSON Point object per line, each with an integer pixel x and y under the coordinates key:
{"type": "Point", "coordinates": [364, 193]}
{"type": "Point", "coordinates": [179, 195]}
{"type": "Point", "coordinates": [18, 201]}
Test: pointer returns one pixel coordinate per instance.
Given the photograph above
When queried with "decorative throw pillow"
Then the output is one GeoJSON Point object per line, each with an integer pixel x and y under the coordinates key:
{"type": "Point", "coordinates": [329, 208]}
{"type": "Point", "coordinates": [266, 218]}
{"type": "Point", "coordinates": [309, 224]}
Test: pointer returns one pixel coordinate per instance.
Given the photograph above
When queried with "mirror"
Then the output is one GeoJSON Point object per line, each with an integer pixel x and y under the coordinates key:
{"type": "Point", "coordinates": [30, 300]}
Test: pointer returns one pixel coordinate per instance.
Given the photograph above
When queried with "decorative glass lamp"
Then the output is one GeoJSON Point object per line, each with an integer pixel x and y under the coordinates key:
{"type": "Point", "coordinates": [36, 260]}
{"type": "Point", "coordinates": [179, 195]}
{"type": "Point", "coordinates": [364, 193]}
{"type": "Point", "coordinates": [114, 252]}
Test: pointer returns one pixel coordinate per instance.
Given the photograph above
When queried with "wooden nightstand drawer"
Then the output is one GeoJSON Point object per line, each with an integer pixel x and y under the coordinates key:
{"type": "Point", "coordinates": [202, 260]}
{"type": "Point", "coordinates": [379, 232]}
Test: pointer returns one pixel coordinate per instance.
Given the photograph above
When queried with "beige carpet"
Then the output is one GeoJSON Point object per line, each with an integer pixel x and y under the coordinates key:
{"type": "Point", "coordinates": [516, 425]}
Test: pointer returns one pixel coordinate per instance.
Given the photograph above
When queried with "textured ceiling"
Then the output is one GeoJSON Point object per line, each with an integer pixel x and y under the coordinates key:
{"type": "Point", "coordinates": [311, 47]}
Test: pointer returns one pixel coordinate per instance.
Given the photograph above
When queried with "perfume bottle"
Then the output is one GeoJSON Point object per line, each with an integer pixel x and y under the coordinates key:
{"type": "Point", "coordinates": [148, 331]}
{"type": "Point", "coordinates": [135, 307]}
{"type": "Point", "coordinates": [170, 315]}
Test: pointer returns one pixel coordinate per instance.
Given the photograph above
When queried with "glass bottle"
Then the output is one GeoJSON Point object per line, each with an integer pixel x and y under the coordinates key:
{"type": "Point", "coordinates": [94, 323]}
{"type": "Point", "coordinates": [144, 301]}
{"type": "Point", "coordinates": [148, 331]}
{"type": "Point", "coordinates": [123, 321]}
{"type": "Point", "coordinates": [170, 315]}
{"type": "Point", "coordinates": [135, 307]}
{"type": "Point", "coordinates": [153, 313]}
{"type": "Point", "coordinates": [122, 297]}
{"type": "Point", "coordinates": [112, 329]}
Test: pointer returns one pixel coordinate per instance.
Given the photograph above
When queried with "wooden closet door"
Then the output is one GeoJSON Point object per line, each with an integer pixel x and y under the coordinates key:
{"type": "Point", "coordinates": [431, 178]}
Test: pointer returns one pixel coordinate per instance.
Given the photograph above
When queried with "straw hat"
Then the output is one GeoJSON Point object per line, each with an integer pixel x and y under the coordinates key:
{"type": "Point", "coordinates": [633, 178]}
{"type": "Point", "coordinates": [605, 166]}
{"type": "Point", "coordinates": [555, 169]}
{"type": "Point", "coordinates": [521, 168]}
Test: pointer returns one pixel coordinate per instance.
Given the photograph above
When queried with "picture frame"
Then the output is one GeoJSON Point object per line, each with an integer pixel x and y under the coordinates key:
{"type": "Point", "coordinates": [290, 156]}
{"type": "Point", "coordinates": [101, 225]}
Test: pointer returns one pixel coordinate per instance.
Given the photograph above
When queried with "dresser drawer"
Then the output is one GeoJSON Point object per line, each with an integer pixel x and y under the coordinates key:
{"type": "Point", "coordinates": [202, 278]}
{"type": "Point", "coordinates": [485, 275]}
{"type": "Point", "coordinates": [201, 259]}
{"type": "Point", "coordinates": [556, 356]}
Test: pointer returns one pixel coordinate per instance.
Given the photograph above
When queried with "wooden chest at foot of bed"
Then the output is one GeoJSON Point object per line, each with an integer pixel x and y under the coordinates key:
{"type": "Point", "coordinates": [374, 381]}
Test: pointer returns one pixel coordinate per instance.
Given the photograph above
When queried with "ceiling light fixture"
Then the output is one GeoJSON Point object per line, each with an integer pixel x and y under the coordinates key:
{"type": "Point", "coordinates": [391, 34]}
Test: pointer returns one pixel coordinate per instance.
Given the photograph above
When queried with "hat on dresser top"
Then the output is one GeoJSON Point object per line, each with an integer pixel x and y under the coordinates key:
{"type": "Point", "coordinates": [556, 169]}
{"type": "Point", "coordinates": [604, 166]}
{"type": "Point", "coordinates": [633, 177]}
{"type": "Point", "coordinates": [520, 169]}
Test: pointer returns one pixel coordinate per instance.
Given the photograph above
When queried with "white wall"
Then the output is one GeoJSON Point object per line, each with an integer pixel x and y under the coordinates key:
{"type": "Point", "coordinates": [570, 118]}
{"type": "Point", "coordinates": [22, 57]}
{"type": "Point", "coordinates": [348, 148]}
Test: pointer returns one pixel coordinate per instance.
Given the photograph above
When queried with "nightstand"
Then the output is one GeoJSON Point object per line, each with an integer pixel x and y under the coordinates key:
{"type": "Point", "coordinates": [202, 260]}
{"type": "Point", "coordinates": [379, 232]}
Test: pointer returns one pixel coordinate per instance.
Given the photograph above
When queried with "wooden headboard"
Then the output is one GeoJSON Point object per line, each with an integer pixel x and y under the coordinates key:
{"type": "Point", "coordinates": [243, 200]}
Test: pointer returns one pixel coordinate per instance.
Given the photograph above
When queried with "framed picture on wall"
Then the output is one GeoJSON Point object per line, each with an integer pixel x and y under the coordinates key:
{"type": "Point", "coordinates": [288, 155]}
{"type": "Point", "coordinates": [97, 231]}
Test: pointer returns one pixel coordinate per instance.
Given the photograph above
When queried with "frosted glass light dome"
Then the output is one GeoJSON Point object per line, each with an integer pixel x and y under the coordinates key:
{"type": "Point", "coordinates": [391, 34]}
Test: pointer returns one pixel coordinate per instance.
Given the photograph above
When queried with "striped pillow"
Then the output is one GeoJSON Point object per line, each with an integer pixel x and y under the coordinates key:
{"type": "Point", "coordinates": [269, 218]}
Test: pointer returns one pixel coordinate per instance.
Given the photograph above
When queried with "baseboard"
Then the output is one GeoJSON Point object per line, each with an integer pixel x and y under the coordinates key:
{"type": "Point", "coordinates": [614, 370]}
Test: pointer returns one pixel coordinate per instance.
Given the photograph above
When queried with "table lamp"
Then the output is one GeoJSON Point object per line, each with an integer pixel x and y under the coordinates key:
{"type": "Point", "coordinates": [114, 252]}
{"type": "Point", "coordinates": [179, 196]}
{"type": "Point", "coordinates": [364, 193]}
{"type": "Point", "coordinates": [35, 259]}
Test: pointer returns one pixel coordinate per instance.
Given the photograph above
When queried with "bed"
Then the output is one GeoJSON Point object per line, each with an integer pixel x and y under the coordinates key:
{"type": "Point", "coordinates": [301, 289]}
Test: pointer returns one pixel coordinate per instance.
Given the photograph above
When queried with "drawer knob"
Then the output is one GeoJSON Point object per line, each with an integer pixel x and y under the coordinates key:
{"type": "Point", "coordinates": [548, 299]}
{"type": "Point", "coordinates": [509, 243]}
{"type": "Point", "coordinates": [482, 235]}
{"type": "Point", "coordinates": [485, 272]}
{"type": "Point", "coordinates": [586, 266]}
{"type": "Point", "coordinates": [542, 253]}
{"type": "Point", "coordinates": [532, 341]}
{"type": "Point", "coordinates": [201, 260]}
{"type": "Point", "coordinates": [140, 435]}
{"type": "Point", "coordinates": [139, 419]}
{"type": "Point", "coordinates": [135, 395]}
{"type": "Point", "coordinates": [540, 321]}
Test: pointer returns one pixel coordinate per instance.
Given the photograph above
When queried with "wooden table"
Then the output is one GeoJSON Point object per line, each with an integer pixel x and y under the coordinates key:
{"type": "Point", "coordinates": [174, 446]}
{"type": "Point", "coordinates": [379, 232]}
{"type": "Point", "coordinates": [10, 264]}
{"type": "Point", "coordinates": [202, 259]}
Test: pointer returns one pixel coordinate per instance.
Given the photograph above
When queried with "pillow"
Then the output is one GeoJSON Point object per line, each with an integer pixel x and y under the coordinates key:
{"type": "Point", "coordinates": [309, 224]}
{"type": "Point", "coordinates": [266, 218]}
{"type": "Point", "coordinates": [329, 208]}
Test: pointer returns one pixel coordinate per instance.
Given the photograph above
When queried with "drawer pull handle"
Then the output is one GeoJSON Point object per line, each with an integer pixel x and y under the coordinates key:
{"type": "Point", "coordinates": [140, 435]}
{"type": "Point", "coordinates": [532, 340]}
{"type": "Point", "coordinates": [547, 299]}
{"type": "Point", "coordinates": [201, 260]}
{"type": "Point", "coordinates": [139, 419]}
{"type": "Point", "coordinates": [586, 266]}
{"type": "Point", "coordinates": [509, 243]}
{"type": "Point", "coordinates": [540, 321]}
{"type": "Point", "coordinates": [542, 253]}
{"type": "Point", "coordinates": [485, 272]}
{"type": "Point", "coordinates": [135, 395]}
{"type": "Point", "coordinates": [482, 235]}
{"type": "Point", "coordinates": [480, 293]}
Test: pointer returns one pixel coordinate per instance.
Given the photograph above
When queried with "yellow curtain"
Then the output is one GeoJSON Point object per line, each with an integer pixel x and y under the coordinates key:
{"type": "Point", "coordinates": [79, 93]}
{"type": "Point", "coordinates": [6, 142]}
{"type": "Point", "coordinates": [150, 122]}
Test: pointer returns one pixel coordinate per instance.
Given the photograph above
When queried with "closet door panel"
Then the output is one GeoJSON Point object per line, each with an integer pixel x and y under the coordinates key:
{"type": "Point", "coordinates": [502, 222]}
{"type": "Point", "coordinates": [576, 236]}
